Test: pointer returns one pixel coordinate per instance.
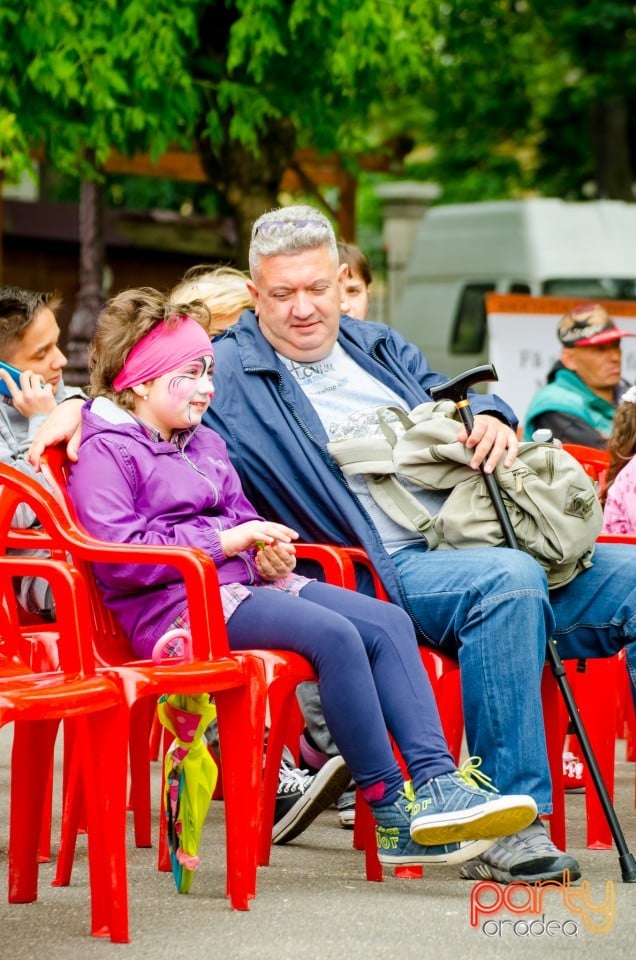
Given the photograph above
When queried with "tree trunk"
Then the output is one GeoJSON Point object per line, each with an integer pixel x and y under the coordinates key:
{"type": "Point", "coordinates": [250, 182]}
{"type": "Point", "coordinates": [610, 138]}
{"type": "Point", "coordinates": [90, 297]}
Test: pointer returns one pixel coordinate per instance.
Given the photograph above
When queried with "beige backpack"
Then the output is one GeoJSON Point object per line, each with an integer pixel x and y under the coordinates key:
{"type": "Point", "coordinates": [551, 502]}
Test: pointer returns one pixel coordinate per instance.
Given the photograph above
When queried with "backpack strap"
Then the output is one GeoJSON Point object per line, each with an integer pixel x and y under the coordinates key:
{"type": "Point", "coordinates": [373, 457]}
{"type": "Point", "coordinates": [399, 504]}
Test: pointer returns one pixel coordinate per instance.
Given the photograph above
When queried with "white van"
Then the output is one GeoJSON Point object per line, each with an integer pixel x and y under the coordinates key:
{"type": "Point", "coordinates": [540, 247]}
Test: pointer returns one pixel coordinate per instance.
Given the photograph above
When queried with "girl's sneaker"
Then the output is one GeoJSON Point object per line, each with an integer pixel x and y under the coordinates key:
{"type": "Point", "coordinates": [395, 846]}
{"type": "Point", "coordinates": [453, 807]}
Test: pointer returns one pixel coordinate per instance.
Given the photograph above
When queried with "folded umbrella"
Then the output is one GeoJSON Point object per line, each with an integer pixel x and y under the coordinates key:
{"type": "Point", "coordinates": [190, 779]}
{"type": "Point", "coordinates": [190, 771]}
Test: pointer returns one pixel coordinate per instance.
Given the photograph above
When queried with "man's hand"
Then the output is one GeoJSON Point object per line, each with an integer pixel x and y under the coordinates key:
{"type": "Point", "coordinates": [33, 397]}
{"type": "Point", "coordinates": [490, 439]}
{"type": "Point", "coordinates": [62, 424]}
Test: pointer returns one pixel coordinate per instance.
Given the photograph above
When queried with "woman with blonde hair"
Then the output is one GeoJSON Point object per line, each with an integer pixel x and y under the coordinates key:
{"type": "Point", "coordinates": [221, 289]}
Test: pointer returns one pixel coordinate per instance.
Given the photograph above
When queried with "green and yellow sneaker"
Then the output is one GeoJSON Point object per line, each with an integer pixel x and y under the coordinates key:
{"type": "Point", "coordinates": [396, 847]}
{"type": "Point", "coordinates": [455, 807]}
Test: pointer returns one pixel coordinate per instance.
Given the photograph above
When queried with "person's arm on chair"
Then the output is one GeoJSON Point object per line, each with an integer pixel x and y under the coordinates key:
{"type": "Point", "coordinates": [62, 424]}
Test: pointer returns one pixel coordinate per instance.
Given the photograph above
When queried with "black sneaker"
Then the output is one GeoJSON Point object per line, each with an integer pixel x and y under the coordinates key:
{"type": "Point", "coordinates": [302, 796]}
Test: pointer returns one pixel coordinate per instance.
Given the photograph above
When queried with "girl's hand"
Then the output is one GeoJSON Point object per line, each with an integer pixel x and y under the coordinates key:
{"type": "Point", "coordinates": [275, 561]}
{"type": "Point", "coordinates": [253, 533]}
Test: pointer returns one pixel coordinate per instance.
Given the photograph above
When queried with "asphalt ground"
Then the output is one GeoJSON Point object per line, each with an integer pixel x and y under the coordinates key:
{"type": "Point", "coordinates": [313, 902]}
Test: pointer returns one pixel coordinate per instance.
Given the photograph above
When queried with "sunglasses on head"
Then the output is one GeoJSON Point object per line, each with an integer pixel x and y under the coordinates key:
{"type": "Point", "coordinates": [274, 226]}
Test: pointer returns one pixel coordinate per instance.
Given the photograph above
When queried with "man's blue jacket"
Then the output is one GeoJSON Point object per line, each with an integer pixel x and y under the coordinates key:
{"type": "Point", "coordinates": [278, 444]}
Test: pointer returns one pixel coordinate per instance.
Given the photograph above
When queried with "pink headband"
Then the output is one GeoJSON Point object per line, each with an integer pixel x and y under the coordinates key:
{"type": "Point", "coordinates": [163, 349]}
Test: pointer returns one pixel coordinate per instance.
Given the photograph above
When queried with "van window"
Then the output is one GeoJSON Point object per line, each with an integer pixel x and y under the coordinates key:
{"type": "Point", "coordinates": [469, 326]}
{"type": "Point", "coordinates": [592, 288]}
{"type": "Point", "coordinates": [519, 288]}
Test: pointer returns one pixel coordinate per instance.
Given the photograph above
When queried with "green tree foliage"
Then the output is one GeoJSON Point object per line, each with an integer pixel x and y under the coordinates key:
{"type": "Point", "coordinates": [281, 74]}
{"type": "Point", "coordinates": [251, 79]}
{"type": "Point", "coordinates": [82, 78]}
{"type": "Point", "coordinates": [532, 95]}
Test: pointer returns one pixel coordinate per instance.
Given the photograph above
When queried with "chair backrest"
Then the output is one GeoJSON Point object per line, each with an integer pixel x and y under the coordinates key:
{"type": "Point", "coordinates": [594, 462]}
{"type": "Point", "coordinates": [70, 637]}
{"type": "Point", "coordinates": [61, 534]}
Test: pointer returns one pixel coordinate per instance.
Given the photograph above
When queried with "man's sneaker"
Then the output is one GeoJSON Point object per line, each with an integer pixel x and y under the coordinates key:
{"type": "Point", "coordinates": [529, 855]}
{"type": "Point", "coordinates": [346, 807]}
{"type": "Point", "coordinates": [395, 846]}
{"type": "Point", "coordinates": [301, 797]}
{"type": "Point", "coordinates": [452, 807]}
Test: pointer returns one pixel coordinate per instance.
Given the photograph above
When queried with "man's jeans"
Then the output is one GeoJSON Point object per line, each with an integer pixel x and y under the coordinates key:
{"type": "Point", "coordinates": [490, 607]}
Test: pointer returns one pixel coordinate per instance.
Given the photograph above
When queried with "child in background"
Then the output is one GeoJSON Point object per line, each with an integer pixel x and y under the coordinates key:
{"type": "Point", "coordinates": [146, 473]}
{"type": "Point", "coordinates": [355, 301]}
{"type": "Point", "coordinates": [29, 335]}
{"type": "Point", "coordinates": [619, 494]}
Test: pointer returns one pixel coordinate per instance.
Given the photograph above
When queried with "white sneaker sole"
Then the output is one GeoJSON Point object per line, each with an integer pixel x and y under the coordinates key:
{"type": "Point", "coordinates": [347, 819]}
{"type": "Point", "coordinates": [492, 819]}
{"type": "Point", "coordinates": [466, 851]}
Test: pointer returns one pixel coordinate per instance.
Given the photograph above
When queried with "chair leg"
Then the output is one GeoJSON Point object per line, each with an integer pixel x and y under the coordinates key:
{"type": "Point", "coordinates": [555, 722]}
{"type": "Point", "coordinates": [597, 686]}
{"type": "Point", "coordinates": [281, 697]}
{"type": "Point", "coordinates": [105, 737]}
{"type": "Point", "coordinates": [141, 720]}
{"type": "Point", "coordinates": [73, 810]}
{"type": "Point", "coordinates": [163, 852]}
{"type": "Point", "coordinates": [31, 760]}
{"type": "Point", "coordinates": [241, 718]}
{"type": "Point", "coordinates": [365, 824]}
{"type": "Point", "coordinates": [44, 848]}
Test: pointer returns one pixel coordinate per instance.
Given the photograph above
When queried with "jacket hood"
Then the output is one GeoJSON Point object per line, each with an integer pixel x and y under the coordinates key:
{"type": "Point", "coordinates": [102, 416]}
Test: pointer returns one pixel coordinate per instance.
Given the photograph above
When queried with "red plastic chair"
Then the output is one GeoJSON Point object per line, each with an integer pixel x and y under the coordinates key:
{"type": "Point", "coordinates": [89, 703]}
{"type": "Point", "coordinates": [596, 688]}
{"type": "Point", "coordinates": [594, 462]}
{"type": "Point", "coordinates": [595, 691]}
{"type": "Point", "coordinates": [279, 672]}
{"type": "Point", "coordinates": [237, 685]}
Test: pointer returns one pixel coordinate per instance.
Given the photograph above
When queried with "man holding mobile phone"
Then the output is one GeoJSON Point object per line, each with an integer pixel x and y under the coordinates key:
{"type": "Point", "coordinates": [31, 385]}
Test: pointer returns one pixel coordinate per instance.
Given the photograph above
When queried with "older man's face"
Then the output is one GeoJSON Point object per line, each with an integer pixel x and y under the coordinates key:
{"type": "Point", "coordinates": [598, 367]}
{"type": "Point", "coordinates": [297, 299]}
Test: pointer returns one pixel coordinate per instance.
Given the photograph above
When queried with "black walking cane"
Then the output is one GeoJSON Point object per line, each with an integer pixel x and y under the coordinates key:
{"type": "Point", "coordinates": [457, 391]}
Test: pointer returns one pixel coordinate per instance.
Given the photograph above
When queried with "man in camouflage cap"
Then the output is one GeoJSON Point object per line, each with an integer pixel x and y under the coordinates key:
{"type": "Point", "coordinates": [584, 387]}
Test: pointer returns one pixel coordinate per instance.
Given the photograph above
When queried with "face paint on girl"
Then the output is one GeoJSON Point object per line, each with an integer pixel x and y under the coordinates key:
{"type": "Point", "coordinates": [178, 399]}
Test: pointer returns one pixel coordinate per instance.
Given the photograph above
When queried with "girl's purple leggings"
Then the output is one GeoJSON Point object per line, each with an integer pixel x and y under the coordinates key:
{"type": "Point", "coordinates": [371, 677]}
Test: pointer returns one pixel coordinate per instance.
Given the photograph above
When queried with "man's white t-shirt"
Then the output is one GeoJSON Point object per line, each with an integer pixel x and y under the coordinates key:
{"type": "Point", "coordinates": [345, 398]}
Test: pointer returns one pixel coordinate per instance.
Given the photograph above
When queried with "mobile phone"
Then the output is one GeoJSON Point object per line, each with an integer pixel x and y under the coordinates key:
{"type": "Point", "coordinates": [14, 373]}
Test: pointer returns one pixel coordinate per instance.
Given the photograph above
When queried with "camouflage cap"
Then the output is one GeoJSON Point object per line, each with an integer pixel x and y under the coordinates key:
{"type": "Point", "coordinates": [588, 325]}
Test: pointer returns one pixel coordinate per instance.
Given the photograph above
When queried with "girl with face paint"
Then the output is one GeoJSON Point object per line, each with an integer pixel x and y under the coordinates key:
{"type": "Point", "coordinates": [148, 473]}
